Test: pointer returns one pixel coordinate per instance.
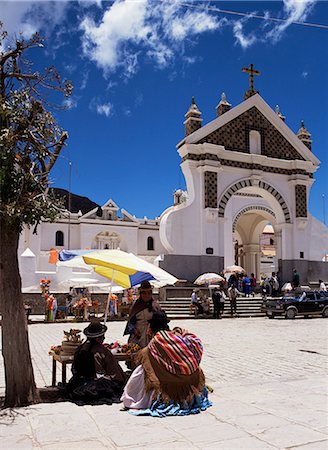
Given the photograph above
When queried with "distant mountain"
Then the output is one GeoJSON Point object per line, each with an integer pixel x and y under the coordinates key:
{"type": "Point", "coordinates": [77, 201]}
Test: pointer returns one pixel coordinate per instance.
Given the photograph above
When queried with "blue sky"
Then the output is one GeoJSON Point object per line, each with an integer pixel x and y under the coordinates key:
{"type": "Point", "coordinates": [136, 64]}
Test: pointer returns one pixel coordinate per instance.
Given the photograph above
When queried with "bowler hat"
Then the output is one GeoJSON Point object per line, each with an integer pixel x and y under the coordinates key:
{"type": "Point", "coordinates": [145, 286]}
{"type": "Point", "coordinates": [95, 329]}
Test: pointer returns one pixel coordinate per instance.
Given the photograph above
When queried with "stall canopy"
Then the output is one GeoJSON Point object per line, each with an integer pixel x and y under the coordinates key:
{"type": "Point", "coordinates": [124, 269]}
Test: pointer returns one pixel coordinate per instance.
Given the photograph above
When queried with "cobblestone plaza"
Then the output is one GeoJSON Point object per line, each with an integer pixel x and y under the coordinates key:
{"type": "Point", "coordinates": [270, 391]}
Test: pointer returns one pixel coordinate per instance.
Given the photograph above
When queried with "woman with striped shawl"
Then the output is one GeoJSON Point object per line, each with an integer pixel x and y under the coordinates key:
{"type": "Point", "coordinates": [168, 380]}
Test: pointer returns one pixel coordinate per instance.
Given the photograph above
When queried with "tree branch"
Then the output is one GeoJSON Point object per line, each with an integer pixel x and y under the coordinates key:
{"type": "Point", "coordinates": [23, 76]}
{"type": "Point", "coordinates": [57, 150]}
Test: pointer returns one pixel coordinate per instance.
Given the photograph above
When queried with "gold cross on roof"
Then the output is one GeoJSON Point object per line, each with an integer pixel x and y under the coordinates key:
{"type": "Point", "coordinates": [251, 71]}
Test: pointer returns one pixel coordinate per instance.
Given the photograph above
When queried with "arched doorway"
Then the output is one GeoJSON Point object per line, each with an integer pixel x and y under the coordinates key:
{"type": "Point", "coordinates": [246, 208]}
{"type": "Point", "coordinates": [254, 240]}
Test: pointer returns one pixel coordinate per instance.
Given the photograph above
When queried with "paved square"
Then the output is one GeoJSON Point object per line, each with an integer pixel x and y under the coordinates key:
{"type": "Point", "coordinates": [270, 391]}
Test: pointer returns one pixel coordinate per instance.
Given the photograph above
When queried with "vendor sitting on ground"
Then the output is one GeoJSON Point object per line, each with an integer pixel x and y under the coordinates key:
{"type": "Point", "coordinates": [97, 376]}
{"type": "Point", "coordinates": [168, 380]}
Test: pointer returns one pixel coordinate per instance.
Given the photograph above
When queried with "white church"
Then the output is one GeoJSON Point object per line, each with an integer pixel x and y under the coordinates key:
{"type": "Point", "coordinates": [244, 170]}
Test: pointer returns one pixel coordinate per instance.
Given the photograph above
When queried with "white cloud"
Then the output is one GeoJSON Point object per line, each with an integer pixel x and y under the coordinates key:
{"type": "Point", "coordinates": [294, 11]}
{"type": "Point", "coordinates": [84, 82]}
{"type": "Point", "coordinates": [100, 107]}
{"type": "Point", "coordinates": [179, 26]}
{"type": "Point", "coordinates": [105, 109]}
{"type": "Point", "coordinates": [27, 17]}
{"type": "Point", "coordinates": [121, 22]}
{"type": "Point", "coordinates": [70, 103]}
{"type": "Point", "coordinates": [128, 28]}
{"type": "Point", "coordinates": [241, 38]}
{"type": "Point", "coordinates": [305, 74]}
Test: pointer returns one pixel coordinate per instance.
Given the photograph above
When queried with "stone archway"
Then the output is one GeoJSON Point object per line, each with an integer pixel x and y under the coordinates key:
{"type": "Point", "coordinates": [247, 231]}
{"type": "Point", "coordinates": [246, 207]}
{"type": "Point", "coordinates": [257, 185]}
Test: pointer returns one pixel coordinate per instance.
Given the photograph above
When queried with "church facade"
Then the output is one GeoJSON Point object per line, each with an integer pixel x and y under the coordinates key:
{"type": "Point", "coordinates": [244, 170]}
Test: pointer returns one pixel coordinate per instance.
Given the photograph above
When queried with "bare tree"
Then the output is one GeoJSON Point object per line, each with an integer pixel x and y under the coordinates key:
{"type": "Point", "coordinates": [30, 143]}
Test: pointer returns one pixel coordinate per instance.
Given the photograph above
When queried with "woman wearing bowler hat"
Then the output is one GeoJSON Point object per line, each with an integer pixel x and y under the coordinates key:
{"type": "Point", "coordinates": [141, 312]}
{"type": "Point", "coordinates": [97, 376]}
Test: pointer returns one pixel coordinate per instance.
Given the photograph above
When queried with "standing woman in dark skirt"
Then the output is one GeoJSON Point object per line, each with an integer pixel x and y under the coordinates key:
{"type": "Point", "coordinates": [140, 314]}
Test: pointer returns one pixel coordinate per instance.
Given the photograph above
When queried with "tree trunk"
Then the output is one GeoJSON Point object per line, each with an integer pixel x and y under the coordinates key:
{"type": "Point", "coordinates": [20, 385]}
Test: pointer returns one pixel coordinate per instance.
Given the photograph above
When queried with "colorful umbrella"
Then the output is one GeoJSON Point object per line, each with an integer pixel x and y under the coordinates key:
{"type": "Point", "coordinates": [126, 269]}
{"type": "Point", "coordinates": [208, 278]}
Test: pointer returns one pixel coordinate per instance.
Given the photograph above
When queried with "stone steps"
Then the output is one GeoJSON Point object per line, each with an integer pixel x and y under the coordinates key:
{"type": "Point", "coordinates": [179, 307]}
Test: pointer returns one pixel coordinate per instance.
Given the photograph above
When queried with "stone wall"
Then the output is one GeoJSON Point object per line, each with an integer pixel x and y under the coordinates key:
{"type": "Point", "coordinates": [189, 267]}
{"type": "Point", "coordinates": [309, 271]}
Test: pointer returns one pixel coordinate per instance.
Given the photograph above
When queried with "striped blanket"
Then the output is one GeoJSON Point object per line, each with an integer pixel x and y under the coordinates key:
{"type": "Point", "coordinates": [177, 351]}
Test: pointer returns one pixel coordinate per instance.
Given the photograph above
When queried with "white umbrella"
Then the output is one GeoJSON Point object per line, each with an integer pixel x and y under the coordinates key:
{"type": "Point", "coordinates": [79, 282]}
{"type": "Point", "coordinates": [234, 269]}
{"type": "Point", "coordinates": [208, 278]}
{"type": "Point", "coordinates": [75, 263]}
{"type": "Point", "coordinates": [287, 287]}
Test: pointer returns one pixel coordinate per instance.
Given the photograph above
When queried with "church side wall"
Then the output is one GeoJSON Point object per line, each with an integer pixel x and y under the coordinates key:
{"type": "Point", "coordinates": [183, 224]}
{"type": "Point", "coordinates": [143, 235]}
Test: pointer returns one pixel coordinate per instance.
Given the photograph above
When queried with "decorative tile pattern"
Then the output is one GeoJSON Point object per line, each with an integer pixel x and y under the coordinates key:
{"type": "Point", "coordinates": [235, 136]}
{"type": "Point", "coordinates": [210, 190]}
{"type": "Point", "coordinates": [244, 165]}
{"type": "Point", "coordinates": [192, 125]}
{"type": "Point", "coordinates": [300, 201]}
{"type": "Point", "coordinates": [246, 183]}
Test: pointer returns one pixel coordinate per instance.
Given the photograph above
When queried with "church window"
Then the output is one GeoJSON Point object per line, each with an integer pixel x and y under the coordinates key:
{"type": "Point", "coordinates": [302, 255]}
{"type": "Point", "coordinates": [59, 239]}
{"type": "Point", "coordinates": [150, 243]}
{"type": "Point", "coordinates": [271, 241]}
{"type": "Point", "coordinates": [255, 142]}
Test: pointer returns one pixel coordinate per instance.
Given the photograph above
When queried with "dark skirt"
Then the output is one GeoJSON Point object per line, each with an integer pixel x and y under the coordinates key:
{"type": "Point", "coordinates": [83, 391]}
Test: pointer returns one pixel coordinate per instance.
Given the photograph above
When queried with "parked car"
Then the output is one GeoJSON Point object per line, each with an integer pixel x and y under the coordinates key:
{"type": "Point", "coordinates": [293, 304]}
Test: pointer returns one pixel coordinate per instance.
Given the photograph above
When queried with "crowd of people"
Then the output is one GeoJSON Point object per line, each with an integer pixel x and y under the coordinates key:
{"type": "Point", "coordinates": [241, 285]}
{"type": "Point", "coordinates": [166, 376]}
{"type": "Point", "coordinates": [237, 285]}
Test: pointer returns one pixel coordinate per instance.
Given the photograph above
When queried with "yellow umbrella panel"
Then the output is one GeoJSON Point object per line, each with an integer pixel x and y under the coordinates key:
{"type": "Point", "coordinates": [135, 268]}
{"type": "Point", "coordinates": [120, 278]}
{"type": "Point", "coordinates": [121, 267]}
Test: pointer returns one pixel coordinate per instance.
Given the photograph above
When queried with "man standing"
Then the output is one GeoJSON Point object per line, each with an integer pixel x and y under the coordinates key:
{"type": "Point", "coordinates": [195, 301]}
{"type": "Point", "coordinates": [216, 303]}
{"type": "Point", "coordinates": [222, 300]}
{"type": "Point", "coordinates": [295, 279]}
{"type": "Point", "coordinates": [274, 284]}
{"type": "Point", "coordinates": [253, 284]}
{"type": "Point", "coordinates": [218, 297]}
{"type": "Point", "coordinates": [246, 285]}
{"type": "Point", "coordinates": [322, 286]}
{"type": "Point", "coordinates": [233, 292]}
